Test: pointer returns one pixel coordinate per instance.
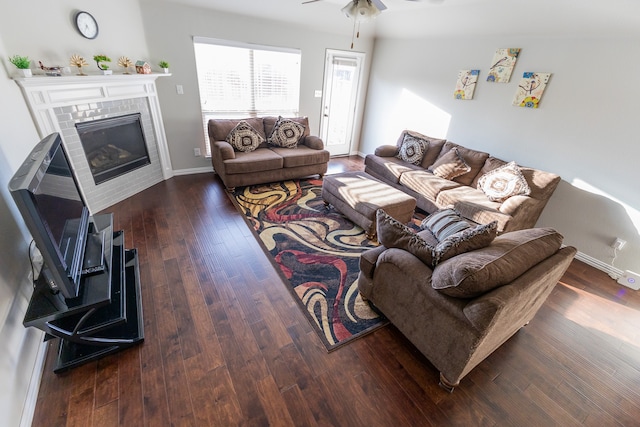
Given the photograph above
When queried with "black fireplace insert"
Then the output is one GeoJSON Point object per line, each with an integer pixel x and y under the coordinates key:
{"type": "Point", "coordinates": [113, 146]}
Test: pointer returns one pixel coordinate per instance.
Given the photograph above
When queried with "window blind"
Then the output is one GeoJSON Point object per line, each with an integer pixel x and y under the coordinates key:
{"type": "Point", "coordinates": [239, 80]}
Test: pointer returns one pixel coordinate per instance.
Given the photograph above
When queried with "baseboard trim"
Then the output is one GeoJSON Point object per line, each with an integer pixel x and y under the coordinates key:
{"type": "Point", "coordinates": [613, 272]}
{"type": "Point", "coordinates": [193, 171]}
{"type": "Point", "coordinates": [29, 409]}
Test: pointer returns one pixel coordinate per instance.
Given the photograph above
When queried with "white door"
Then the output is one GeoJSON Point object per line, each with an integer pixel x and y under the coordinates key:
{"type": "Point", "coordinates": [342, 75]}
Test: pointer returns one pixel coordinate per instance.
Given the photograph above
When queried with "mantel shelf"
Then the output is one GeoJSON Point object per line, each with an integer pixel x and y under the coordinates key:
{"type": "Point", "coordinates": [91, 79]}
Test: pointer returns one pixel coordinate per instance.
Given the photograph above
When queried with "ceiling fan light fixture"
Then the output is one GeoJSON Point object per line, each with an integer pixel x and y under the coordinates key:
{"type": "Point", "coordinates": [361, 10]}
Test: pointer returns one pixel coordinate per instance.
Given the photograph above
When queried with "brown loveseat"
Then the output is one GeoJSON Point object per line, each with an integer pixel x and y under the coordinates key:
{"type": "Point", "coordinates": [458, 312]}
{"type": "Point", "coordinates": [461, 192]}
{"type": "Point", "coordinates": [267, 163]}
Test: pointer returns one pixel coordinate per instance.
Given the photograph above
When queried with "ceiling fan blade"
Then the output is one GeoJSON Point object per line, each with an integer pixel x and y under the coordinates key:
{"type": "Point", "coordinates": [379, 5]}
{"type": "Point", "coordinates": [310, 1]}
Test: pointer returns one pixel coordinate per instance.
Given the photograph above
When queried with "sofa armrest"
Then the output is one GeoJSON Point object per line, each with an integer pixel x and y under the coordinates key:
{"type": "Point", "coordinates": [222, 150]}
{"type": "Point", "coordinates": [386, 151]}
{"type": "Point", "coordinates": [314, 142]}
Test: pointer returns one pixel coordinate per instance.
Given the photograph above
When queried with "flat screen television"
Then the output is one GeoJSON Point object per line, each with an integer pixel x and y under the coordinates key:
{"type": "Point", "coordinates": [47, 195]}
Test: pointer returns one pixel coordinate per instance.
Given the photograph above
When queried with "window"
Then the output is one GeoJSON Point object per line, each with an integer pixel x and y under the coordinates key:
{"type": "Point", "coordinates": [240, 80]}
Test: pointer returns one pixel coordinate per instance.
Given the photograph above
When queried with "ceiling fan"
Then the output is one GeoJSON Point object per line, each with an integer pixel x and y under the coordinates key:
{"type": "Point", "coordinates": [362, 4]}
{"type": "Point", "coordinates": [360, 11]}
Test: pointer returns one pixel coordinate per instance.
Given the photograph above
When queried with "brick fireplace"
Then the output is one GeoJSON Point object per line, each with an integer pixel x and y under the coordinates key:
{"type": "Point", "coordinates": [61, 104]}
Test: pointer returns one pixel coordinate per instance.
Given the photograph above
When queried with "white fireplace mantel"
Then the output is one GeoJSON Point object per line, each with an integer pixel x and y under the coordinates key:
{"type": "Point", "coordinates": [58, 102]}
{"type": "Point", "coordinates": [44, 93]}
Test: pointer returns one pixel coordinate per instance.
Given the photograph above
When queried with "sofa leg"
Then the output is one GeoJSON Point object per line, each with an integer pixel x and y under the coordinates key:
{"type": "Point", "coordinates": [321, 175]}
{"type": "Point", "coordinates": [446, 384]}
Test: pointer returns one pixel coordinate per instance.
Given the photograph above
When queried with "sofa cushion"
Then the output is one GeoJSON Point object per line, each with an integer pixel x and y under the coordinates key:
{"type": "Point", "coordinates": [490, 164]}
{"type": "Point", "coordinates": [444, 223]}
{"type": "Point", "coordinates": [301, 156]}
{"type": "Point", "coordinates": [473, 158]}
{"type": "Point", "coordinates": [270, 122]}
{"type": "Point", "coordinates": [243, 137]}
{"type": "Point", "coordinates": [393, 234]}
{"type": "Point", "coordinates": [450, 165]}
{"type": "Point", "coordinates": [435, 145]}
{"type": "Point", "coordinates": [473, 205]}
{"type": "Point", "coordinates": [389, 169]}
{"type": "Point", "coordinates": [220, 128]}
{"type": "Point", "coordinates": [286, 133]}
{"type": "Point", "coordinates": [463, 241]}
{"type": "Point", "coordinates": [259, 160]}
{"type": "Point", "coordinates": [412, 149]}
{"type": "Point", "coordinates": [504, 182]}
{"type": "Point", "coordinates": [426, 184]}
{"type": "Point", "coordinates": [506, 258]}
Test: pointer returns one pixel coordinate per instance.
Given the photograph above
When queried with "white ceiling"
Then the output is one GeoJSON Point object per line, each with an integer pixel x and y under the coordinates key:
{"type": "Point", "coordinates": [427, 18]}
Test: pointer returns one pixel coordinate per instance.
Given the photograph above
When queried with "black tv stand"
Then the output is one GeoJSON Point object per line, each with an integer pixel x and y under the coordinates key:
{"type": "Point", "coordinates": [105, 317]}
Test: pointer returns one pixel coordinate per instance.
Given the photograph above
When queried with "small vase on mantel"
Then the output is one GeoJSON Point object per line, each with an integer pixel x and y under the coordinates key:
{"type": "Point", "coordinates": [25, 72]}
{"type": "Point", "coordinates": [166, 70]}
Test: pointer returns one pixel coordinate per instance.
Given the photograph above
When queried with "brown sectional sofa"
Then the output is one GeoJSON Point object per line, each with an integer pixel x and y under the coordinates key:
{"type": "Point", "coordinates": [433, 193]}
{"type": "Point", "coordinates": [267, 163]}
{"type": "Point", "coordinates": [458, 312]}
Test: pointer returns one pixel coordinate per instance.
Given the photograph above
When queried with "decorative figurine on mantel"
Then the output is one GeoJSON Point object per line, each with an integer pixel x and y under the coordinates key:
{"type": "Point", "coordinates": [51, 71]}
{"type": "Point", "coordinates": [100, 61]}
{"type": "Point", "coordinates": [143, 67]}
{"type": "Point", "coordinates": [125, 63]}
{"type": "Point", "coordinates": [78, 61]}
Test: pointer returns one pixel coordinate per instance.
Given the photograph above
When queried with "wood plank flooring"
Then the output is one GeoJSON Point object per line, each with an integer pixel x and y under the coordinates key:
{"type": "Point", "coordinates": [226, 345]}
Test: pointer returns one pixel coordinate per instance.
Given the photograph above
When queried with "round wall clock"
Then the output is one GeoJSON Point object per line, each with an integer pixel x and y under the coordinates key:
{"type": "Point", "coordinates": [87, 25]}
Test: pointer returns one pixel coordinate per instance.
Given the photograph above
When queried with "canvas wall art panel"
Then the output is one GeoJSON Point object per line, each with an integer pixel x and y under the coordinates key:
{"type": "Point", "coordinates": [466, 84]}
{"type": "Point", "coordinates": [530, 89]}
{"type": "Point", "coordinates": [502, 65]}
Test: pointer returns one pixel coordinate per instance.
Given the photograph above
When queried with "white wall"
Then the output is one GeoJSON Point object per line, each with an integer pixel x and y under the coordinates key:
{"type": "Point", "coordinates": [585, 129]}
{"type": "Point", "coordinates": [174, 42]}
{"type": "Point", "coordinates": [42, 30]}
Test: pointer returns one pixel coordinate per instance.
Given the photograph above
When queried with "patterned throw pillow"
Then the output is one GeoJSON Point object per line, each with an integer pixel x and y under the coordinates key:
{"type": "Point", "coordinates": [244, 138]}
{"type": "Point", "coordinates": [286, 133]}
{"type": "Point", "coordinates": [393, 234]}
{"type": "Point", "coordinates": [450, 165]}
{"type": "Point", "coordinates": [504, 182]}
{"type": "Point", "coordinates": [412, 149]}
{"type": "Point", "coordinates": [465, 241]}
{"type": "Point", "coordinates": [444, 223]}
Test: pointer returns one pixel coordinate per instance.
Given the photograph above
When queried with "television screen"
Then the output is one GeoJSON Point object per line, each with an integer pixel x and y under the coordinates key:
{"type": "Point", "coordinates": [49, 199]}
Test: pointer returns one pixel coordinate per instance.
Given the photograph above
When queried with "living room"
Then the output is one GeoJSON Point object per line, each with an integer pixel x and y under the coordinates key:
{"type": "Point", "coordinates": [582, 131]}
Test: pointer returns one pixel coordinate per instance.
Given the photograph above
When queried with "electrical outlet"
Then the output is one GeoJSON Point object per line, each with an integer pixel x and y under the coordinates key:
{"type": "Point", "coordinates": [630, 280]}
{"type": "Point", "coordinates": [618, 244]}
{"type": "Point", "coordinates": [196, 152]}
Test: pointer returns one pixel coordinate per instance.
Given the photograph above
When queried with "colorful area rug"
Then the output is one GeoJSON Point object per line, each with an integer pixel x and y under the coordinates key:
{"type": "Point", "coordinates": [316, 249]}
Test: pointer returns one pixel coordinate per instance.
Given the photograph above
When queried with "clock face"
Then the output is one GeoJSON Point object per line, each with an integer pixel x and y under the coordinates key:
{"type": "Point", "coordinates": [86, 25]}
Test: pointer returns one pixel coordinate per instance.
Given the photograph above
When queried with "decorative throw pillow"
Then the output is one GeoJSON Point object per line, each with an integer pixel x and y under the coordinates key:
{"type": "Point", "coordinates": [465, 241]}
{"type": "Point", "coordinates": [505, 259]}
{"type": "Point", "coordinates": [412, 149]}
{"type": "Point", "coordinates": [393, 234]}
{"type": "Point", "coordinates": [286, 133]}
{"type": "Point", "coordinates": [444, 223]}
{"type": "Point", "coordinates": [245, 138]}
{"type": "Point", "coordinates": [450, 165]}
{"type": "Point", "coordinates": [503, 182]}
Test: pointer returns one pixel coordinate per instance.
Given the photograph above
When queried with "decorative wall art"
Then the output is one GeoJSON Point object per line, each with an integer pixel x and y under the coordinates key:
{"type": "Point", "coordinates": [530, 89]}
{"type": "Point", "coordinates": [502, 65]}
{"type": "Point", "coordinates": [466, 84]}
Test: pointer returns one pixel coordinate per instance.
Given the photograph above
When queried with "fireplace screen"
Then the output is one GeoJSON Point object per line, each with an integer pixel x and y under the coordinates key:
{"type": "Point", "coordinates": [113, 146]}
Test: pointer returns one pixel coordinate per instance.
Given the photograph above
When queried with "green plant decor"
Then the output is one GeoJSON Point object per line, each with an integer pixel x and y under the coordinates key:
{"type": "Point", "coordinates": [22, 62]}
{"type": "Point", "coordinates": [100, 60]}
{"type": "Point", "coordinates": [163, 64]}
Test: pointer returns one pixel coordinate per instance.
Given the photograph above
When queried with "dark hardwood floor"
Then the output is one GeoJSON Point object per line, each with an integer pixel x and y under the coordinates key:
{"type": "Point", "coordinates": [226, 345]}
